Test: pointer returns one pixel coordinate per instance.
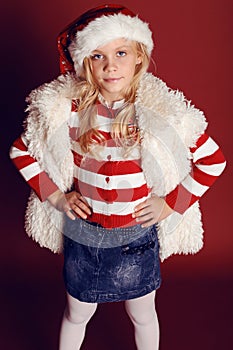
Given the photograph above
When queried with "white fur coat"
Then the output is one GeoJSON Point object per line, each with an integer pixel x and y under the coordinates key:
{"type": "Point", "coordinates": [169, 124]}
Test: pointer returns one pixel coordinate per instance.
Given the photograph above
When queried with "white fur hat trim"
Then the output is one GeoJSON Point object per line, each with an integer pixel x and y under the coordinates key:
{"type": "Point", "coordinates": [103, 30]}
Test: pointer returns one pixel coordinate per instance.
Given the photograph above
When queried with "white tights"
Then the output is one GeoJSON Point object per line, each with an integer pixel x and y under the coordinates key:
{"type": "Point", "coordinates": [140, 310]}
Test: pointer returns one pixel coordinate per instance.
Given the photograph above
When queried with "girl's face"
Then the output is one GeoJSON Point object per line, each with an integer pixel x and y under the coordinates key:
{"type": "Point", "coordinates": [113, 67]}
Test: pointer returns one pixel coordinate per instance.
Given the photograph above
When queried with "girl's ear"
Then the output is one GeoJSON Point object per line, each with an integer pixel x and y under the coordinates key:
{"type": "Point", "coordinates": [139, 59]}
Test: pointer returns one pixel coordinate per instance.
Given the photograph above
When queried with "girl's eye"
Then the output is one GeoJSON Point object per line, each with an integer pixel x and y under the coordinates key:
{"type": "Point", "coordinates": [121, 53]}
{"type": "Point", "coordinates": [97, 56]}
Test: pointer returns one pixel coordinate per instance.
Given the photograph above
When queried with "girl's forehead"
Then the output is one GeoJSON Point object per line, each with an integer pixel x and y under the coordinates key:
{"type": "Point", "coordinates": [116, 44]}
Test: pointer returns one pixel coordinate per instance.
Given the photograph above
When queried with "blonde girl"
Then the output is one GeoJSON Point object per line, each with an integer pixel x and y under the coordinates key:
{"type": "Point", "coordinates": [117, 163]}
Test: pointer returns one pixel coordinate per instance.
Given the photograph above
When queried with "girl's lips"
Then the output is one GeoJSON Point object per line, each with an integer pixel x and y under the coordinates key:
{"type": "Point", "coordinates": [112, 80]}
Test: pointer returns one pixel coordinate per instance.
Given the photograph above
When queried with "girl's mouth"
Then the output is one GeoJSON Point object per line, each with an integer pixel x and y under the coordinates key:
{"type": "Point", "coordinates": [112, 80]}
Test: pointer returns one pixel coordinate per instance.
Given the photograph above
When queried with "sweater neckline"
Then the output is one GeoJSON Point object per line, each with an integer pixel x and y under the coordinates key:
{"type": "Point", "coordinates": [113, 105]}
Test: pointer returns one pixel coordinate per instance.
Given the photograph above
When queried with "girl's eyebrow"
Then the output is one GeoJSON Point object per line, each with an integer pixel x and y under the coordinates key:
{"type": "Point", "coordinates": [116, 49]}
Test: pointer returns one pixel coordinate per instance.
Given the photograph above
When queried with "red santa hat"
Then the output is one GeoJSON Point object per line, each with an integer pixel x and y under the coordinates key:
{"type": "Point", "coordinates": [98, 27]}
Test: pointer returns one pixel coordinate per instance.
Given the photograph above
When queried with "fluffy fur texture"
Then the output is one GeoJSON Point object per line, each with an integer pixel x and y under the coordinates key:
{"type": "Point", "coordinates": [169, 126]}
{"type": "Point", "coordinates": [105, 29]}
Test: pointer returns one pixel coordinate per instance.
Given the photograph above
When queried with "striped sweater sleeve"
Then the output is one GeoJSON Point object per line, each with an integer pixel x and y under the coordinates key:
{"type": "Point", "coordinates": [29, 168]}
{"type": "Point", "coordinates": [208, 163]}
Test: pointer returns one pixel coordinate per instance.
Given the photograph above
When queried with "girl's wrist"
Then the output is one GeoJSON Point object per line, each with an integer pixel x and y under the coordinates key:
{"type": "Point", "coordinates": [55, 198]}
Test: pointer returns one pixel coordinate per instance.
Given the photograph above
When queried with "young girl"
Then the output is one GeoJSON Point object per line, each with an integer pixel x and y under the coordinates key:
{"type": "Point", "coordinates": [117, 162]}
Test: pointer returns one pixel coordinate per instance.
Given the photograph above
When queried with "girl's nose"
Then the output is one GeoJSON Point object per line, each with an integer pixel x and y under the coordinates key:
{"type": "Point", "coordinates": [110, 65]}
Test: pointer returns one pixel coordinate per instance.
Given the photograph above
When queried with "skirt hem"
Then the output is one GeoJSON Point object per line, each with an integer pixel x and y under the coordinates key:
{"type": "Point", "coordinates": [99, 297]}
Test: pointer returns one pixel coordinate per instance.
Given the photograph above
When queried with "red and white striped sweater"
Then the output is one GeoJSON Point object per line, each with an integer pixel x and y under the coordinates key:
{"type": "Point", "coordinates": [114, 185]}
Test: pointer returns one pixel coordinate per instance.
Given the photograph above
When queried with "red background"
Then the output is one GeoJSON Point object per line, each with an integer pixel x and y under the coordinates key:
{"type": "Point", "coordinates": [193, 53]}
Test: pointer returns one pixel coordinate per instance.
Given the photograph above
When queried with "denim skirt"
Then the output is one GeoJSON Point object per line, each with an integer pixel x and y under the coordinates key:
{"type": "Point", "coordinates": [106, 265]}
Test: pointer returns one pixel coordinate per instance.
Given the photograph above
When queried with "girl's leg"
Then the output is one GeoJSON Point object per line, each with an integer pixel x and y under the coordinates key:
{"type": "Point", "coordinates": [143, 315]}
{"type": "Point", "coordinates": [75, 318]}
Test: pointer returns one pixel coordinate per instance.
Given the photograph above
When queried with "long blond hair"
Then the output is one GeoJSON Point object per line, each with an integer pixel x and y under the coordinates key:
{"type": "Point", "coordinates": [122, 130]}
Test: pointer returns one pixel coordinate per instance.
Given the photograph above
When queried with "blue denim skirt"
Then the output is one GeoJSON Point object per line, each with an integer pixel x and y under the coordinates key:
{"type": "Point", "coordinates": [106, 265]}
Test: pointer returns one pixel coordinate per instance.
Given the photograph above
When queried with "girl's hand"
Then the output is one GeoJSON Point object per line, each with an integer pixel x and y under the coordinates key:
{"type": "Point", "coordinates": [151, 211]}
{"type": "Point", "coordinates": [73, 204]}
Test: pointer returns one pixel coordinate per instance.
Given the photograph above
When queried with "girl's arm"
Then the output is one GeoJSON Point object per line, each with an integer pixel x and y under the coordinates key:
{"type": "Point", "coordinates": [29, 168]}
{"type": "Point", "coordinates": [43, 186]}
{"type": "Point", "coordinates": [208, 163]}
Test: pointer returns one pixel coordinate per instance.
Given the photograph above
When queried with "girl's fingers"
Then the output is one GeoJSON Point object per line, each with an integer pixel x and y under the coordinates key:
{"type": "Point", "coordinates": [74, 205]}
{"type": "Point", "coordinates": [142, 212]}
{"type": "Point", "coordinates": [146, 220]}
{"type": "Point", "coordinates": [146, 204]}
{"type": "Point", "coordinates": [73, 212]}
{"type": "Point", "coordinates": [141, 209]}
{"type": "Point", "coordinates": [83, 206]}
{"type": "Point", "coordinates": [140, 206]}
{"type": "Point", "coordinates": [70, 214]}
{"type": "Point", "coordinates": [151, 211]}
{"type": "Point", "coordinates": [80, 211]}
{"type": "Point", "coordinates": [84, 200]}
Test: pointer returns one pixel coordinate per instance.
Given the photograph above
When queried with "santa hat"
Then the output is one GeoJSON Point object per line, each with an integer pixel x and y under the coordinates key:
{"type": "Point", "coordinates": [98, 27]}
